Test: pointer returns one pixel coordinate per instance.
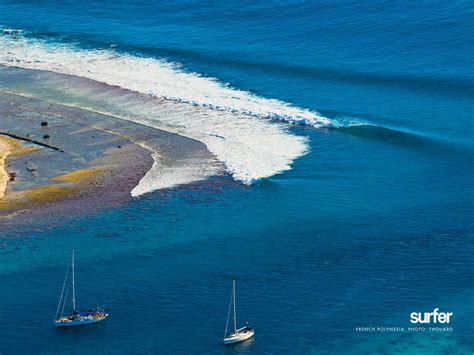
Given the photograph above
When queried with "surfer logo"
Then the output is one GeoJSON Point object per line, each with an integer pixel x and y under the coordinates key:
{"type": "Point", "coordinates": [431, 317]}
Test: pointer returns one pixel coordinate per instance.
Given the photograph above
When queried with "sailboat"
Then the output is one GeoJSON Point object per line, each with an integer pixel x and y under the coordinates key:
{"type": "Point", "coordinates": [77, 317]}
{"type": "Point", "coordinates": [238, 335]}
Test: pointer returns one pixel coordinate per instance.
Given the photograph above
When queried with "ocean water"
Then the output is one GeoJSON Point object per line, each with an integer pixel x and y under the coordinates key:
{"type": "Point", "coordinates": [345, 130]}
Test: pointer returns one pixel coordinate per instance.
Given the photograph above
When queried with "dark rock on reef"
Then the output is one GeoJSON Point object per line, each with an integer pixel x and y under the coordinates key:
{"type": "Point", "coordinates": [44, 124]}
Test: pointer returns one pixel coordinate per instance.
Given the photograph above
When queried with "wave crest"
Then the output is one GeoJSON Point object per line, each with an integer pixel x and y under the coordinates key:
{"type": "Point", "coordinates": [150, 76]}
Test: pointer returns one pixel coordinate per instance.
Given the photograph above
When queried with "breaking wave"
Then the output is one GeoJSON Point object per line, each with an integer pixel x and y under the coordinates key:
{"type": "Point", "coordinates": [149, 76]}
{"type": "Point", "coordinates": [233, 124]}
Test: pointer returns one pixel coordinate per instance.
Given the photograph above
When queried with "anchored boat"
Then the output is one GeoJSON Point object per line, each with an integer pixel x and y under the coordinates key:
{"type": "Point", "coordinates": [77, 317]}
{"type": "Point", "coordinates": [238, 335]}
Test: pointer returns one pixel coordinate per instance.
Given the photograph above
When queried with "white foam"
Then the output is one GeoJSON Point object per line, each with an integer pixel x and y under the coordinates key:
{"type": "Point", "coordinates": [228, 121]}
{"type": "Point", "coordinates": [11, 31]}
{"type": "Point", "coordinates": [165, 176]}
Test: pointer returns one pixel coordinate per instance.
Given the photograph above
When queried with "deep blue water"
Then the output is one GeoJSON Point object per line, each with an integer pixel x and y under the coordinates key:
{"type": "Point", "coordinates": [373, 224]}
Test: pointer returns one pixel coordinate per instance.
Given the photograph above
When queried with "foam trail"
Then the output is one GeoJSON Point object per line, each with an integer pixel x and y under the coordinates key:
{"type": "Point", "coordinates": [226, 120]}
{"type": "Point", "coordinates": [164, 176]}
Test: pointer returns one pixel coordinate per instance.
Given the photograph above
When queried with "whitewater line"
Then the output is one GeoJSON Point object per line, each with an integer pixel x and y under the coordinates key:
{"type": "Point", "coordinates": [152, 76]}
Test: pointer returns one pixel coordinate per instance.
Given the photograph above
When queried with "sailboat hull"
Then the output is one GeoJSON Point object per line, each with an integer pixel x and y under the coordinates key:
{"type": "Point", "coordinates": [79, 321]}
{"type": "Point", "coordinates": [238, 337]}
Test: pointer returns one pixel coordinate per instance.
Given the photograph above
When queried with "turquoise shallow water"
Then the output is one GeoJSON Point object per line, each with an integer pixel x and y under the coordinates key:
{"type": "Point", "coordinates": [374, 223]}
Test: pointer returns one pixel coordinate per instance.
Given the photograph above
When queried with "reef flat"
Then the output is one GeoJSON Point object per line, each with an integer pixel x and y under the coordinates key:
{"type": "Point", "coordinates": [61, 160]}
{"type": "Point", "coordinates": [58, 159]}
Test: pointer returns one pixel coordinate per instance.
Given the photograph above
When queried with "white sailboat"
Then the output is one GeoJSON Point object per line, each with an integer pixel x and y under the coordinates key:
{"type": "Point", "coordinates": [238, 335]}
{"type": "Point", "coordinates": [77, 317]}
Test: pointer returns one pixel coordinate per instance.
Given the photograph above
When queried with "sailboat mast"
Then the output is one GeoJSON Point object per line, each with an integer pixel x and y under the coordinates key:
{"type": "Point", "coordinates": [73, 285]}
{"type": "Point", "coordinates": [235, 314]}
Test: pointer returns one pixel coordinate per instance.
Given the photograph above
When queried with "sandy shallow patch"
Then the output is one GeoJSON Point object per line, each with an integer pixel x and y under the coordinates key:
{"type": "Point", "coordinates": [9, 147]}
